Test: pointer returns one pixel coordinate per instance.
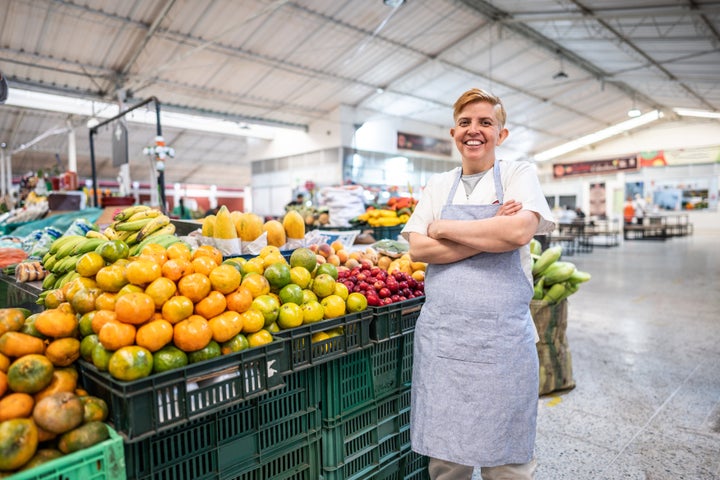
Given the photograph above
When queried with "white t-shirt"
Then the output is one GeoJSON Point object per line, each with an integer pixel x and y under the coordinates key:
{"type": "Point", "coordinates": [520, 183]}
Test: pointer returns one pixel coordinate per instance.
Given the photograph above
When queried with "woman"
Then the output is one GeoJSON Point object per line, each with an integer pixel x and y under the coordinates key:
{"type": "Point", "coordinates": [475, 371]}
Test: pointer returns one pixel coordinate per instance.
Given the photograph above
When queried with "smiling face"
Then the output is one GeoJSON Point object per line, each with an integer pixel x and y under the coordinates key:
{"type": "Point", "coordinates": [476, 133]}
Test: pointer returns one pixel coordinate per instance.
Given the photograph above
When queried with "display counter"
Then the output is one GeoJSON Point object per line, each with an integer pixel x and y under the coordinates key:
{"type": "Point", "coordinates": [16, 294]}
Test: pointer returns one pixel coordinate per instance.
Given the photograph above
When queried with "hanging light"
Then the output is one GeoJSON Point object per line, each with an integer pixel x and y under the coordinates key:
{"type": "Point", "coordinates": [393, 3]}
{"type": "Point", "coordinates": [634, 112]}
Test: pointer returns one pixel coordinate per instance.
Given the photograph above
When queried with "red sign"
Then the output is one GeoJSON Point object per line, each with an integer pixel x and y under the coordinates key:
{"type": "Point", "coordinates": [595, 167]}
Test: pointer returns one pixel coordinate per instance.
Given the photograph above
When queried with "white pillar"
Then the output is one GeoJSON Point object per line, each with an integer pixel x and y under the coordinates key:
{"type": "Point", "coordinates": [72, 148]}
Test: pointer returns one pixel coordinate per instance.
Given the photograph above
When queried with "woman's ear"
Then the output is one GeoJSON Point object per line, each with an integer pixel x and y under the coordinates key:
{"type": "Point", "coordinates": [502, 136]}
{"type": "Point", "coordinates": [452, 132]}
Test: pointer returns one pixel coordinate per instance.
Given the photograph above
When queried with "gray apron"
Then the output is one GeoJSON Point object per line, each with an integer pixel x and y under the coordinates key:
{"type": "Point", "coordinates": [475, 369]}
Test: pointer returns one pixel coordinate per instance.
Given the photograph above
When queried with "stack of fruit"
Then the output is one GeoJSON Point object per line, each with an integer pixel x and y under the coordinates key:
{"type": "Point", "coordinates": [381, 287]}
{"type": "Point", "coordinates": [43, 414]}
{"type": "Point", "coordinates": [249, 227]}
{"type": "Point", "coordinates": [555, 280]}
{"type": "Point", "coordinates": [134, 224]}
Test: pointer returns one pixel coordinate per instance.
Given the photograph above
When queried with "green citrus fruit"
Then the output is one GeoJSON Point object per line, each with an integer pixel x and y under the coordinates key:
{"type": "Point", "coordinates": [300, 276]}
{"type": "Point", "coordinates": [333, 306]}
{"type": "Point", "coordinates": [236, 344]}
{"type": "Point", "coordinates": [268, 305]}
{"type": "Point", "coordinates": [290, 316]}
{"type": "Point", "coordinates": [313, 311]}
{"type": "Point", "coordinates": [328, 268]}
{"type": "Point", "coordinates": [278, 275]}
{"type": "Point", "coordinates": [113, 250]}
{"type": "Point", "coordinates": [356, 302]}
{"type": "Point", "coordinates": [168, 358]}
{"type": "Point", "coordinates": [303, 257]}
{"type": "Point", "coordinates": [291, 293]}
{"type": "Point", "coordinates": [323, 285]}
{"type": "Point", "coordinates": [211, 350]}
{"type": "Point", "coordinates": [130, 363]}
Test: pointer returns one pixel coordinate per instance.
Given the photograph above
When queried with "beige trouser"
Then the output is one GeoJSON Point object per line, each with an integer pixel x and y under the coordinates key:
{"type": "Point", "coordinates": [444, 470]}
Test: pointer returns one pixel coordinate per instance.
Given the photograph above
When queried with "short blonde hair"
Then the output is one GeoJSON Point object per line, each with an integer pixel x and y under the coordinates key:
{"type": "Point", "coordinates": [478, 95]}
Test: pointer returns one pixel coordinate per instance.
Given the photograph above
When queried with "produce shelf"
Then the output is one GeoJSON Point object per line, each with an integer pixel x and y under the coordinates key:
{"type": "Point", "coordinates": [358, 443]}
{"type": "Point", "coordinates": [354, 381]}
{"type": "Point", "coordinates": [160, 401]}
{"type": "Point", "coordinates": [396, 319]}
{"type": "Point", "coordinates": [305, 354]}
{"type": "Point", "coordinates": [277, 432]}
{"type": "Point", "coordinates": [391, 233]}
{"type": "Point", "coordinates": [103, 461]}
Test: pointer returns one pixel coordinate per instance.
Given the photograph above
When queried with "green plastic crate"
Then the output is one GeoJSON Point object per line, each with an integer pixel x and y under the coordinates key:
{"type": "Point", "coordinates": [391, 233]}
{"type": "Point", "coordinates": [407, 466]}
{"type": "Point", "coordinates": [305, 354]}
{"type": "Point", "coordinates": [358, 443]}
{"type": "Point", "coordinates": [247, 437]}
{"type": "Point", "coordinates": [395, 319]}
{"type": "Point", "coordinates": [353, 381]}
{"type": "Point", "coordinates": [144, 407]}
{"type": "Point", "coordinates": [103, 461]}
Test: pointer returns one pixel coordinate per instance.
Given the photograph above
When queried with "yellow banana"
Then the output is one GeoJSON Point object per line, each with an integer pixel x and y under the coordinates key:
{"type": "Point", "coordinates": [150, 213]}
{"type": "Point", "coordinates": [96, 234]}
{"type": "Point", "coordinates": [132, 226]}
{"type": "Point", "coordinates": [128, 212]}
{"type": "Point", "coordinates": [155, 224]}
{"type": "Point", "coordinates": [110, 233]}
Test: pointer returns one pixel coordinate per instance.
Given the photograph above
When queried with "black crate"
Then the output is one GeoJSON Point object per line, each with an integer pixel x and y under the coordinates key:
{"type": "Point", "coordinates": [395, 319]}
{"type": "Point", "coordinates": [155, 403]}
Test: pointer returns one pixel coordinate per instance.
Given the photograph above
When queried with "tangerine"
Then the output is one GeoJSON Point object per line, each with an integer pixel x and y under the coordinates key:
{"type": "Point", "coordinates": [179, 250]}
{"type": "Point", "coordinates": [237, 343]}
{"type": "Point", "coordinates": [169, 357]}
{"type": "Point", "coordinates": [89, 264]}
{"type": "Point", "coordinates": [154, 251]}
{"type": "Point", "coordinates": [333, 306]}
{"type": "Point", "coordinates": [111, 278]}
{"type": "Point", "coordinates": [268, 250]}
{"type": "Point", "coordinates": [161, 290]}
{"type": "Point", "coordinates": [191, 334]}
{"type": "Point", "coordinates": [261, 337]}
{"type": "Point", "coordinates": [203, 264]}
{"type": "Point", "coordinates": [268, 305]}
{"type": "Point", "coordinates": [278, 275]}
{"type": "Point", "coordinates": [225, 278]}
{"type": "Point", "coordinates": [130, 363]}
{"type": "Point", "coordinates": [256, 283]}
{"type": "Point", "coordinates": [177, 308]}
{"type": "Point", "coordinates": [195, 286]}
{"type": "Point", "coordinates": [105, 301]}
{"type": "Point", "coordinates": [239, 300]}
{"type": "Point", "coordinates": [154, 335]}
{"type": "Point", "coordinates": [290, 316]}
{"type": "Point", "coordinates": [142, 271]}
{"type": "Point", "coordinates": [255, 265]}
{"type": "Point", "coordinates": [253, 320]}
{"type": "Point", "coordinates": [100, 318]}
{"type": "Point", "coordinates": [134, 308]}
{"type": "Point", "coordinates": [209, 351]}
{"type": "Point", "coordinates": [212, 305]}
{"type": "Point", "coordinates": [225, 326]}
{"type": "Point", "coordinates": [114, 335]}
{"type": "Point", "coordinates": [113, 250]}
{"type": "Point", "coordinates": [208, 251]}
{"type": "Point", "coordinates": [176, 268]}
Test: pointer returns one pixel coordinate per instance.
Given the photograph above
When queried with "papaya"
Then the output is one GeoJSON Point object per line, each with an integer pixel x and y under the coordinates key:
{"type": "Point", "coordinates": [63, 380]}
{"type": "Point", "coordinates": [95, 409]}
{"type": "Point", "coordinates": [224, 227]}
{"type": "Point", "coordinates": [58, 322]}
{"type": "Point", "coordinates": [294, 225]}
{"type": "Point", "coordinates": [59, 412]}
{"type": "Point", "coordinates": [249, 226]}
{"type": "Point", "coordinates": [16, 405]}
{"type": "Point", "coordinates": [3, 383]}
{"type": "Point", "coordinates": [30, 374]}
{"type": "Point", "coordinates": [62, 352]}
{"type": "Point", "coordinates": [29, 327]}
{"type": "Point", "coordinates": [275, 233]}
{"type": "Point", "coordinates": [43, 455]}
{"type": "Point", "coordinates": [208, 226]}
{"type": "Point", "coordinates": [18, 443]}
{"type": "Point", "coordinates": [16, 344]}
{"type": "Point", "coordinates": [4, 363]}
{"type": "Point", "coordinates": [83, 436]}
{"type": "Point", "coordinates": [11, 319]}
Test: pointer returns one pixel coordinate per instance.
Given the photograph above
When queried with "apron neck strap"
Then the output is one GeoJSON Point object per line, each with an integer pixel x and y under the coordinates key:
{"type": "Point", "coordinates": [496, 178]}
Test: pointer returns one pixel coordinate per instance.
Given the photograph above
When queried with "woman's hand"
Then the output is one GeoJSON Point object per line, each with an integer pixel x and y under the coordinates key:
{"type": "Point", "coordinates": [510, 207]}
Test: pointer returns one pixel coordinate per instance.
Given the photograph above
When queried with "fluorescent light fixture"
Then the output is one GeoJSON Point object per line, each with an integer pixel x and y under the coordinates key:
{"type": "Point", "coordinates": [91, 108]}
{"type": "Point", "coordinates": [690, 112]}
{"type": "Point", "coordinates": [634, 112]}
{"type": "Point", "coordinates": [598, 136]}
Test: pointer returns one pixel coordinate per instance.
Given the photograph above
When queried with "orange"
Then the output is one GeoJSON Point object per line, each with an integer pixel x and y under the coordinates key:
{"type": "Point", "coordinates": [328, 268]}
{"type": "Point", "coordinates": [312, 311]}
{"type": "Point", "coordinates": [239, 300]}
{"type": "Point", "coordinates": [130, 363]}
{"type": "Point", "coordinates": [169, 357]}
{"type": "Point", "coordinates": [319, 337]}
{"type": "Point", "coordinates": [176, 268]}
{"type": "Point", "coordinates": [179, 250]}
{"type": "Point", "coordinates": [84, 300]}
{"type": "Point", "coordinates": [341, 290]}
{"type": "Point", "coordinates": [160, 290]}
{"type": "Point", "coordinates": [269, 306]}
{"type": "Point", "coordinates": [278, 275]}
{"type": "Point", "coordinates": [418, 275]}
{"type": "Point", "coordinates": [237, 343]}
{"type": "Point", "coordinates": [255, 264]}
{"type": "Point", "coordinates": [195, 286]}
{"type": "Point", "coordinates": [225, 278]}
{"type": "Point", "coordinates": [193, 333]}
{"type": "Point", "coordinates": [300, 276]}
{"type": "Point", "coordinates": [256, 283]}
{"type": "Point", "coordinates": [89, 264]}
{"type": "Point", "coordinates": [154, 251]}
{"type": "Point", "coordinates": [291, 293]}
{"type": "Point", "coordinates": [208, 251]}
{"type": "Point", "coordinates": [261, 337]}
{"type": "Point", "coordinates": [62, 352]}
{"type": "Point", "coordinates": [303, 257]}
{"type": "Point", "coordinates": [356, 302]}
{"type": "Point", "coordinates": [105, 301]}
{"type": "Point", "coordinates": [142, 271]}
{"type": "Point", "coordinates": [290, 316]}
{"type": "Point", "coordinates": [253, 320]}
{"type": "Point", "coordinates": [309, 296]}
{"type": "Point", "coordinates": [333, 306]}
{"type": "Point", "coordinates": [225, 326]}
{"type": "Point", "coordinates": [273, 258]}
{"type": "Point", "coordinates": [134, 308]}
{"type": "Point", "coordinates": [213, 304]}
{"type": "Point", "coordinates": [114, 335]}
{"type": "Point", "coordinates": [100, 318]}
{"type": "Point", "coordinates": [111, 278]}
{"type": "Point", "coordinates": [203, 264]}
{"type": "Point", "coordinates": [129, 288]}
{"type": "Point", "coordinates": [154, 335]}
{"type": "Point", "coordinates": [323, 285]}
{"type": "Point", "coordinates": [268, 250]}
{"type": "Point", "coordinates": [74, 286]}
{"type": "Point", "coordinates": [177, 308]}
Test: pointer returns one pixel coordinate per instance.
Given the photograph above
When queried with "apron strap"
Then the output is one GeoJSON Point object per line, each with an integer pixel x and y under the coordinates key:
{"type": "Point", "coordinates": [496, 177]}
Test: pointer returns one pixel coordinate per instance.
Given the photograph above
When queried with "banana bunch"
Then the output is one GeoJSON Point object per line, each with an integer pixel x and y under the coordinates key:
{"type": "Point", "coordinates": [134, 224]}
{"type": "Point", "coordinates": [554, 279]}
{"type": "Point", "coordinates": [63, 255]}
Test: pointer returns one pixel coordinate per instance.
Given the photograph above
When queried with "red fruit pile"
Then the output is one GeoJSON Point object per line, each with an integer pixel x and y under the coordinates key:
{"type": "Point", "coordinates": [379, 286]}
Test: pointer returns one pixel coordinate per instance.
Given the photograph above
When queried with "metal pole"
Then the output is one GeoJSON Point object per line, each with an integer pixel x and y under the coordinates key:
{"type": "Point", "coordinates": [161, 166]}
{"type": "Point", "coordinates": [92, 164]}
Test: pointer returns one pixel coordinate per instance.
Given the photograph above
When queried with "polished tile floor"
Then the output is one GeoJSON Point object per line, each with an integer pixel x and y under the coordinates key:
{"type": "Point", "coordinates": [644, 335]}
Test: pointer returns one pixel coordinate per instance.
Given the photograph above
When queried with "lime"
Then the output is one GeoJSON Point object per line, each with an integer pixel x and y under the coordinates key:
{"type": "Point", "coordinates": [303, 257]}
{"type": "Point", "coordinates": [167, 358]}
{"type": "Point", "coordinates": [278, 275]}
{"type": "Point", "coordinates": [268, 305]}
{"type": "Point", "coordinates": [211, 350]}
{"type": "Point", "coordinates": [291, 293]}
{"type": "Point", "coordinates": [328, 268]}
{"type": "Point", "coordinates": [237, 343]}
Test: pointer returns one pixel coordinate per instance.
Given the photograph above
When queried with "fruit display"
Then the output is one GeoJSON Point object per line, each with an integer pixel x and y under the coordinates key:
{"type": "Point", "coordinates": [232, 231]}
{"type": "Point", "coordinates": [43, 413]}
{"type": "Point", "coordinates": [396, 212]}
{"type": "Point", "coordinates": [554, 279]}
{"type": "Point", "coordinates": [134, 224]}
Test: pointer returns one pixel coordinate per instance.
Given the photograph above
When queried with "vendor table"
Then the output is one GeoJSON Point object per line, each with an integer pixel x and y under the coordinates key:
{"type": "Point", "coordinates": [21, 295]}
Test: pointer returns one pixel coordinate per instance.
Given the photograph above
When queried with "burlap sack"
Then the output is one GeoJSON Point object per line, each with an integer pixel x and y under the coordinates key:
{"type": "Point", "coordinates": [553, 351]}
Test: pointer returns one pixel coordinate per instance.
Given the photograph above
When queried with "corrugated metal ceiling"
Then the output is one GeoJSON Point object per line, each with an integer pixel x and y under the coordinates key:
{"type": "Point", "coordinates": [288, 62]}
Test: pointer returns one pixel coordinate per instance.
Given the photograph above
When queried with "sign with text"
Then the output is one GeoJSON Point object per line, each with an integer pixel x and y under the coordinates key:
{"type": "Point", "coordinates": [595, 167]}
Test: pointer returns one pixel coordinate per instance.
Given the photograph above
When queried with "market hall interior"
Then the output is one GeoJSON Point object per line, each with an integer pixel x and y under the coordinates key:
{"type": "Point", "coordinates": [643, 334]}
